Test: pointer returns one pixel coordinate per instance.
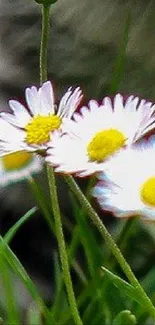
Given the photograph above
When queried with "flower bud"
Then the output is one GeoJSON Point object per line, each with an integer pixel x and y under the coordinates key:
{"type": "Point", "coordinates": [125, 317]}
{"type": "Point", "coordinates": [46, 2]}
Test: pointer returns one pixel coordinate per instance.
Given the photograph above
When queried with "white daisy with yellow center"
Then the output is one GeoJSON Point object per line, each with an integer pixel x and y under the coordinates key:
{"type": "Point", "coordinates": [99, 132]}
{"type": "Point", "coordinates": [127, 186]}
{"type": "Point", "coordinates": [30, 129]}
{"type": "Point", "coordinates": [17, 166]}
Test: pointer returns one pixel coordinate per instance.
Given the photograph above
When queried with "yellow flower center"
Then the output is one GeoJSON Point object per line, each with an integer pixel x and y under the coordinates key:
{"type": "Point", "coordinates": [104, 144]}
{"type": "Point", "coordinates": [16, 160]}
{"type": "Point", "coordinates": [147, 192]}
{"type": "Point", "coordinates": [38, 130]}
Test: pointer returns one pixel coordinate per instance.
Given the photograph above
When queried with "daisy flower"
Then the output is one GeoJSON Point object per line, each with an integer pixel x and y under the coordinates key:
{"type": "Point", "coordinates": [18, 166]}
{"type": "Point", "coordinates": [29, 129]}
{"type": "Point", "coordinates": [127, 186]}
{"type": "Point", "coordinates": [98, 132]}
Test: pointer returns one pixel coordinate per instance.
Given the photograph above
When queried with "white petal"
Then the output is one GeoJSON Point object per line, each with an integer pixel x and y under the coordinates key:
{"type": "Point", "coordinates": [10, 133]}
{"type": "Point", "coordinates": [46, 95]}
{"type": "Point", "coordinates": [33, 100]}
{"type": "Point", "coordinates": [93, 105]}
{"type": "Point", "coordinates": [19, 110]}
{"type": "Point", "coordinates": [17, 121]}
{"type": "Point", "coordinates": [144, 107]}
{"type": "Point", "coordinates": [84, 111]}
{"type": "Point", "coordinates": [17, 135]}
{"type": "Point", "coordinates": [108, 104]}
{"type": "Point", "coordinates": [77, 117]}
{"type": "Point", "coordinates": [70, 102]}
{"type": "Point", "coordinates": [131, 104]}
{"type": "Point", "coordinates": [118, 104]}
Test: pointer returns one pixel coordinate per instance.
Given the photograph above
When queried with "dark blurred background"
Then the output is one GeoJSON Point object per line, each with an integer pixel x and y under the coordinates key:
{"type": "Point", "coordinates": [85, 39]}
{"type": "Point", "coordinates": [104, 46]}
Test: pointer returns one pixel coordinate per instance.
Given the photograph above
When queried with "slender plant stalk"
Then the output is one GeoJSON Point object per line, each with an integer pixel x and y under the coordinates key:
{"type": "Point", "coordinates": [44, 42]}
{"type": "Point", "coordinates": [110, 243]}
{"type": "Point", "coordinates": [52, 184]}
{"type": "Point", "coordinates": [62, 247]}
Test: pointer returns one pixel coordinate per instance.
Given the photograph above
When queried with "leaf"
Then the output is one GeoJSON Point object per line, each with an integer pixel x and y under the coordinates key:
{"type": "Point", "coordinates": [121, 284]}
{"type": "Point", "coordinates": [149, 283]}
{"type": "Point", "coordinates": [12, 313]}
{"type": "Point", "coordinates": [12, 231]}
{"type": "Point", "coordinates": [18, 268]}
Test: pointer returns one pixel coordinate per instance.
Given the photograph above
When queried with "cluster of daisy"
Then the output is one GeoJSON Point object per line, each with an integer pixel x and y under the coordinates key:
{"type": "Point", "coordinates": [26, 131]}
{"type": "Point", "coordinates": [106, 140]}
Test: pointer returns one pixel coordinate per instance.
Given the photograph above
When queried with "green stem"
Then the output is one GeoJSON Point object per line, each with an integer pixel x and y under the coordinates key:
{"type": "Point", "coordinates": [44, 42]}
{"type": "Point", "coordinates": [51, 179]}
{"type": "Point", "coordinates": [43, 203]}
{"type": "Point", "coordinates": [62, 247]}
{"type": "Point", "coordinates": [110, 243]}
